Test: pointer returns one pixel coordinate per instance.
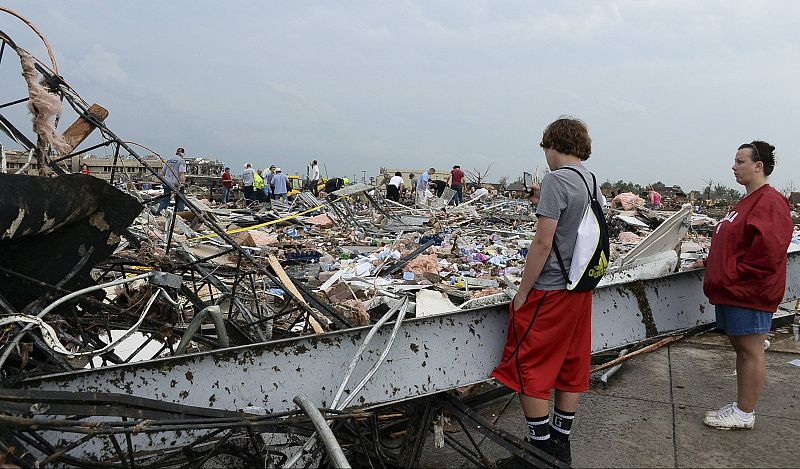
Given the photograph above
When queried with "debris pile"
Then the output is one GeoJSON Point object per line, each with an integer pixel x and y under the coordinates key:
{"type": "Point", "coordinates": [91, 276]}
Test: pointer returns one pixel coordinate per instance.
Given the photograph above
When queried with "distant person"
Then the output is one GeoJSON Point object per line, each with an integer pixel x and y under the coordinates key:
{"type": "Point", "coordinates": [227, 184]}
{"type": "Point", "coordinates": [265, 173]}
{"type": "Point", "coordinates": [655, 199]}
{"type": "Point", "coordinates": [85, 169]}
{"type": "Point", "coordinates": [334, 184]}
{"type": "Point", "coordinates": [258, 186]}
{"type": "Point", "coordinates": [437, 186]}
{"type": "Point", "coordinates": [422, 186]}
{"type": "Point", "coordinates": [281, 183]}
{"type": "Point", "coordinates": [314, 178]}
{"type": "Point", "coordinates": [385, 180]}
{"type": "Point", "coordinates": [548, 345]}
{"type": "Point", "coordinates": [395, 186]}
{"type": "Point", "coordinates": [174, 172]}
{"type": "Point", "coordinates": [412, 179]}
{"type": "Point", "coordinates": [247, 183]}
{"type": "Point", "coordinates": [479, 192]}
{"type": "Point", "coordinates": [745, 277]}
{"type": "Point", "coordinates": [268, 184]}
{"type": "Point", "coordinates": [456, 181]}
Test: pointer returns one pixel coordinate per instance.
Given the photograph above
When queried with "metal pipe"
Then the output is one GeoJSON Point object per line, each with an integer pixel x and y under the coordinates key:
{"type": "Point", "coordinates": [610, 372]}
{"type": "Point", "coordinates": [78, 293]}
{"type": "Point", "coordinates": [166, 296]}
{"type": "Point", "coordinates": [51, 338]}
{"type": "Point", "coordinates": [334, 450]}
{"type": "Point", "coordinates": [219, 325]}
{"type": "Point", "coordinates": [357, 355]}
{"type": "Point", "coordinates": [400, 316]}
{"type": "Point", "coordinates": [403, 307]}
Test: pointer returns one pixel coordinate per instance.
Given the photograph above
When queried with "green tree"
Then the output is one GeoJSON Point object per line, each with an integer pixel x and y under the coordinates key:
{"type": "Point", "coordinates": [629, 186]}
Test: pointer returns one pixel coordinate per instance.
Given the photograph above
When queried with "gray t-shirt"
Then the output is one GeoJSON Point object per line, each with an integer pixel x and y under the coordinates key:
{"type": "Point", "coordinates": [563, 198]}
{"type": "Point", "coordinates": [172, 168]}
{"type": "Point", "coordinates": [248, 176]}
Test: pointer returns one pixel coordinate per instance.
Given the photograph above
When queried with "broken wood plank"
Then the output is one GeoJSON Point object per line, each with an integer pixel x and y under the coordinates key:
{"type": "Point", "coordinates": [289, 285]}
{"type": "Point", "coordinates": [82, 127]}
{"type": "Point", "coordinates": [649, 348]}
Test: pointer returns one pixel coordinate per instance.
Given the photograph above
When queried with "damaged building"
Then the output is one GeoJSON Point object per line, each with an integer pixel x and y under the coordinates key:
{"type": "Point", "coordinates": [334, 330]}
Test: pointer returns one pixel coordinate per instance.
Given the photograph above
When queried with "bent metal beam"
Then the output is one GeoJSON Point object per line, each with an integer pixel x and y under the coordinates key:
{"type": "Point", "coordinates": [429, 355]}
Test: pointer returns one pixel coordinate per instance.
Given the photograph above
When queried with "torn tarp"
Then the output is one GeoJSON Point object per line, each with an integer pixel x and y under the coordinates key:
{"type": "Point", "coordinates": [50, 226]}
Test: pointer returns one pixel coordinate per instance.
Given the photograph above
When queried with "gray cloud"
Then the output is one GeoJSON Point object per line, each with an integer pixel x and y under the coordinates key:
{"type": "Point", "coordinates": [103, 66]}
{"type": "Point", "coordinates": [669, 88]}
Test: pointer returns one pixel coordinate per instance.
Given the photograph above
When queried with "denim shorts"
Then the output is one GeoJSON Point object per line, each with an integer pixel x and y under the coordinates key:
{"type": "Point", "coordinates": [742, 321]}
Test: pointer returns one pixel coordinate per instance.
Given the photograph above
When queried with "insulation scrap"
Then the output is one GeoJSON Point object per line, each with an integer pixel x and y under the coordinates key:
{"type": "Point", "coordinates": [424, 263]}
{"type": "Point", "coordinates": [630, 238]}
{"type": "Point", "coordinates": [356, 312]}
{"type": "Point", "coordinates": [323, 220]}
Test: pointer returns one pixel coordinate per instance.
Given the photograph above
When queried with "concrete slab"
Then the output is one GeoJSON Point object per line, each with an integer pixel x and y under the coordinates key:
{"type": "Point", "coordinates": [703, 378]}
{"type": "Point", "coordinates": [772, 443]}
{"type": "Point", "coordinates": [644, 377]}
{"type": "Point", "coordinates": [630, 424]}
{"type": "Point", "coordinates": [622, 432]}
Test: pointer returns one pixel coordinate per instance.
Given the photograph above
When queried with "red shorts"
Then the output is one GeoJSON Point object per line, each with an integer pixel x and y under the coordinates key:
{"type": "Point", "coordinates": [549, 344]}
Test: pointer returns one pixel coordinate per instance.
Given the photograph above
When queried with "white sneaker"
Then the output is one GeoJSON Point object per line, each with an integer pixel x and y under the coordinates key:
{"type": "Point", "coordinates": [728, 419]}
{"type": "Point", "coordinates": [714, 413]}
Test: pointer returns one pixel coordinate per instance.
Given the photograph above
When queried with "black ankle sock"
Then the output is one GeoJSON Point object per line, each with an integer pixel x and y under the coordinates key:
{"type": "Point", "coordinates": [561, 425]}
{"type": "Point", "coordinates": [538, 430]}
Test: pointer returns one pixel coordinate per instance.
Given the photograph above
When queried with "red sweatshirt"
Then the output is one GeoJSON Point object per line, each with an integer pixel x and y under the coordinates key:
{"type": "Point", "coordinates": [746, 265]}
{"type": "Point", "coordinates": [227, 180]}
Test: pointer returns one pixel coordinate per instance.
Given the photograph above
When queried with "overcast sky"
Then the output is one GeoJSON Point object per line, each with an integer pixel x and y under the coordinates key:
{"type": "Point", "coordinates": [669, 89]}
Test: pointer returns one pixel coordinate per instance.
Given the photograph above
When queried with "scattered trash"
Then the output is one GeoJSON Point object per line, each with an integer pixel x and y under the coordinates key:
{"type": "Point", "coordinates": [157, 284]}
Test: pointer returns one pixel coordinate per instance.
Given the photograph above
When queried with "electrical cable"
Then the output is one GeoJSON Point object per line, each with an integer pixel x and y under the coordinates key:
{"type": "Point", "coordinates": [13, 343]}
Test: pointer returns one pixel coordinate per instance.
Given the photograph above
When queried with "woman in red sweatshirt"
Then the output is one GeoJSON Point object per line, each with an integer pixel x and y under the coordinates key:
{"type": "Point", "coordinates": [746, 277]}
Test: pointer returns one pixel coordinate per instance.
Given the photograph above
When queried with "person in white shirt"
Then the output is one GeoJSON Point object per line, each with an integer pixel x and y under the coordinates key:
{"type": "Point", "coordinates": [479, 192]}
{"type": "Point", "coordinates": [394, 187]}
{"type": "Point", "coordinates": [314, 178]}
{"type": "Point", "coordinates": [248, 178]}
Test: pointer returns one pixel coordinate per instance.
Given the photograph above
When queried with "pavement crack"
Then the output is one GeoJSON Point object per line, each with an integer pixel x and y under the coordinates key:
{"type": "Point", "coordinates": [672, 404]}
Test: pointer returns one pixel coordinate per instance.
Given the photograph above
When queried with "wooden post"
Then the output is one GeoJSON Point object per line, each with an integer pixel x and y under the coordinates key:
{"type": "Point", "coordinates": [287, 282]}
{"type": "Point", "coordinates": [82, 127]}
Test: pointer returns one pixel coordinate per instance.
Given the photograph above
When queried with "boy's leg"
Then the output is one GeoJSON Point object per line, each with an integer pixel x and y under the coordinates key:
{"type": "Point", "coordinates": [566, 404]}
{"type": "Point", "coordinates": [573, 378]}
{"type": "Point", "coordinates": [533, 407]}
{"type": "Point", "coordinates": [537, 416]}
{"type": "Point", "coordinates": [568, 401]}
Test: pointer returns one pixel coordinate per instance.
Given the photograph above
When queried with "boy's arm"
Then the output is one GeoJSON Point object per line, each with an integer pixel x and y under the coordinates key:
{"type": "Point", "coordinates": [537, 255]}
